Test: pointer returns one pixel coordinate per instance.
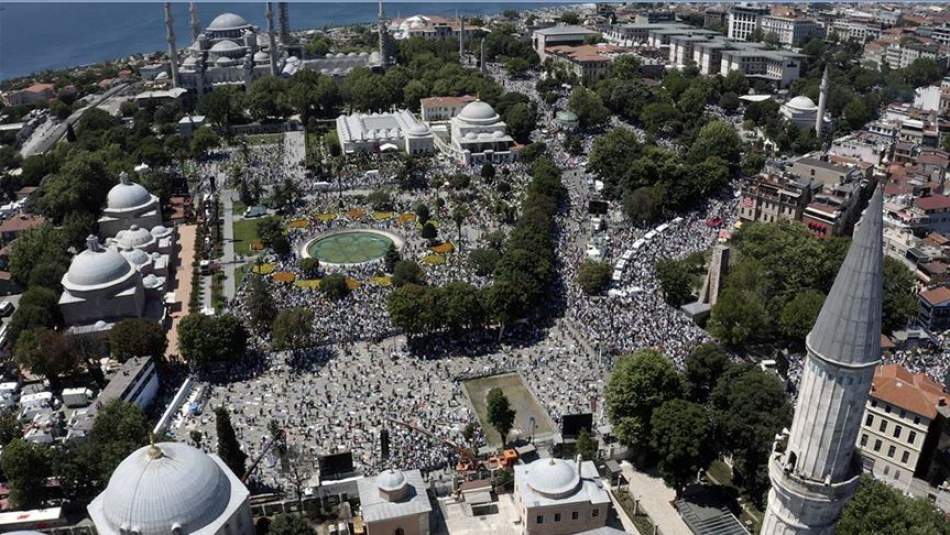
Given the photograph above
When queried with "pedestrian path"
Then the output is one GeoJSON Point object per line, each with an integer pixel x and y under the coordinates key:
{"type": "Point", "coordinates": [656, 499]}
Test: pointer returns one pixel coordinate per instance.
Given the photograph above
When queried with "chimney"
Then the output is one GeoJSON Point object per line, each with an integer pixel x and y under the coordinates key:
{"type": "Point", "coordinates": [579, 460]}
{"type": "Point", "coordinates": [92, 243]}
{"type": "Point", "coordinates": [124, 178]}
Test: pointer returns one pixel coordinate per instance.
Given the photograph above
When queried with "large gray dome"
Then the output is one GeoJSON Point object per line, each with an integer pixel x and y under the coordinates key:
{"type": "Point", "coordinates": [126, 194]}
{"type": "Point", "coordinates": [479, 112]}
{"type": "Point", "coordinates": [554, 478]}
{"type": "Point", "coordinates": [227, 21]}
{"type": "Point", "coordinates": [158, 488]}
{"type": "Point", "coordinates": [96, 266]}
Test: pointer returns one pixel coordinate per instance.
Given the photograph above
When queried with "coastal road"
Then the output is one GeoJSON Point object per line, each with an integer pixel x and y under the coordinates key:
{"type": "Point", "coordinates": [50, 136]}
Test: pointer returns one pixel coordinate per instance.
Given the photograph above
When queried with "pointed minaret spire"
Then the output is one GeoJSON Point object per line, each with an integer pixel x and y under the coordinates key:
{"type": "Point", "coordinates": [195, 23]}
{"type": "Point", "coordinates": [461, 37]}
{"type": "Point", "coordinates": [283, 19]}
{"type": "Point", "coordinates": [172, 48]}
{"type": "Point", "coordinates": [813, 467]}
{"type": "Point", "coordinates": [481, 55]}
{"type": "Point", "coordinates": [822, 101]}
{"type": "Point", "coordinates": [271, 38]}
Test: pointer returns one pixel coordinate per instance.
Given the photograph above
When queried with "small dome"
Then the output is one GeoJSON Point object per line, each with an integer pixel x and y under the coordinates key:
{"type": "Point", "coordinates": [801, 102]}
{"type": "Point", "coordinates": [160, 231]}
{"type": "Point", "coordinates": [223, 61]}
{"type": "Point", "coordinates": [392, 485]}
{"type": "Point", "coordinates": [554, 478]}
{"type": "Point", "coordinates": [151, 281]}
{"type": "Point", "coordinates": [261, 57]}
{"type": "Point", "coordinates": [137, 257]}
{"type": "Point", "coordinates": [135, 236]}
{"type": "Point", "coordinates": [97, 266]}
{"type": "Point", "coordinates": [478, 112]}
{"type": "Point", "coordinates": [227, 21]}
{"type": "Point", "coordinates": [471, 135]}
{"type": "Point", "coordinates": [127, 194]}
{"type": "Point", "coordinates": [226, 46]}
{"type": "Point", "coordinates": [418, 129]}
{"type": "Point", "coordinates": [167, 485]}
{"type": "Point", "coordinates": [190, 61]}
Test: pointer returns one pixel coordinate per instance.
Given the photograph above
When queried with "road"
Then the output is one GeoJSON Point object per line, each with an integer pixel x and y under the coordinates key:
{"type": "Point", "coordinates": [50, 136]}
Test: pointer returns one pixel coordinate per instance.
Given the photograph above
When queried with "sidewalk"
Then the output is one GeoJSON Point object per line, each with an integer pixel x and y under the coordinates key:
{"type": "Point", "coordinates": [183, 276]}
{"type": "Point", "coordinates": [655, 498]}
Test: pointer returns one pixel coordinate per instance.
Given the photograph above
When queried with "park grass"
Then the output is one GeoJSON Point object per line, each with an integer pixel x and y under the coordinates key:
{"type": "Point", "coordinates": [381, 280]}
{"type": "Point", "coordinates": [520, 398]}
{"type": "Point", "coordinates": [433, 259]}
{"type": "Point", "coordinates": [283, 276]}
{"type": "Point", "coordinates": [435, 223]}
{"type": "Point", "coordinates": [307, 284]}
{"type": "Point", "coordinates": [238, 208]}
{"type": "Point", "coordinates": [245, 232]}
{"type": "Point", "coordinates": [326, 217]}
{"type": "Point", "coordinates": [382, 216]}
{"type": "Point", "coordinates": [443, 248]}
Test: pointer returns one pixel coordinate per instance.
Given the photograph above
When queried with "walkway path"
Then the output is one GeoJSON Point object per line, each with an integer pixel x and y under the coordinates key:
{"type": "Point", "coordinates": [228, 258]}
{"type": "Point", "coordinates": [183, 275]}
{"type": "Point", "coordinates": [655, 498]}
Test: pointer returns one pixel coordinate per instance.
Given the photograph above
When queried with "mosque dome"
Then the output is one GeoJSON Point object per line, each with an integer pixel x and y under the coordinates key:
{"type": "Point", "coordinates": [261, 57]}
{"type": "Point", "coordinates": [127, 194]}
{"type": "Point", "coordinates": [97, 266]}
{"type": "Point", "coordinates": [137, 257]}
{"type": "Point", "coordinates": [150, 281]}
{"type": "Point", "coordinates": [478, 112]}
{"type": "Point", "coordinates": [226, 46]}
{"type": "Point", "coordinates": [227, 21]}
{"type": "Point", "coordinates": [554, 478]}
{"type": "Point", "coordinates": [223, 61]}
{"type": "Point", "coordinates": [392, 485]}
{"type": "Point", "coordinates": [166, 488]}
{"type": "Point", "coordinates": [135, 236]}
{"type": "Point", "coordinates": [418, 129]}
{"type": "Point", "coordinates": [802, 102]}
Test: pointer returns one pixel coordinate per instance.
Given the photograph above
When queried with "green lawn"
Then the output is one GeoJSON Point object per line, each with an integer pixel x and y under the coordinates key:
{"type": "Point", "coordinates": [720, 473]}
{"type": "Point", "coordinates": [238, 208]}
{"type": "Point", "coordinates": [519, 396]}
{"type": "Point", "coordinates": [245, 231]}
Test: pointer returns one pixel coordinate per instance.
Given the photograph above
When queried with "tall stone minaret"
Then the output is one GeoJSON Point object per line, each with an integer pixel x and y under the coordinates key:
{"type": "Point", "coordinates": [481, 55]}
{"type": "Point", "coordinates": [271, 39]}
{"type": "Point", "coordinates": [813, 468]}
{"type": "Point", "coordinates": [283, 21]}
{"type": "Point", "coordinates": [461, 38]}
{"type": "Point", "coordinates": [195, 23]}
{"type": "Point", "coordinates": [383, 33]}
{"type": "Point", "coordinates": [822, 101]}
{"type": "Point", "coordinates": [172, 48]}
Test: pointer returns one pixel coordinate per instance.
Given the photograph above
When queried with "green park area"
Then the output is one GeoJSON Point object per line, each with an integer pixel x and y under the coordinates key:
{"type": "Point", "coordinates": [245, 234]}
{"type": "Point", "coordinates": [528, 412]}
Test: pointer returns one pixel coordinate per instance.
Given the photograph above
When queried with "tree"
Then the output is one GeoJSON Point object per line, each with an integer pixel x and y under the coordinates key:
{"type": "Point", "coordinates": [266, 98]}
{"type": "Point", "coordinates": [750, 407]}
{"type": "Point", "coordinates": [517, 67]}
{"type": "Point", "coordinates": [260, 304]}
{"type": "Point", "coordinates": [704, 367]}
{"type": "Point", "coordinates": [391, 259]}
{"type": "Point", "coordinates": [500, 414]}
{"type": "Point", "coordinates": [26, 467]}
{"type": "Point", "coordinates": [589, 108]}
{"type": "Point", "coordinates": [136, 337]}
{"type": "Point", "coordinates": [207, 339]}
{"type": "Point", "coordinates": [877, 508]}
{"type": "Point", "coordinates": [521, 119]}
{"type": "Point", "coordinates": [38, 307]}
{"type": "Point", "coordinates": [309, 266]}
{"type": "Point", "coordinates": [856, 113]}
{"type": "Point", "coordinates": [408, 272]}
{"type": "Point", "coordinates": [228, 447]}
{"type": "Point", "coordinates": [639, 384]}
{"type": "Point", "coordinates": [203, 140]}
{"type": "Point", "coordinates": [459, 214]}
{"type": "Point", "coordinates": [675, 280]}
{"type": "Point", "coordinates": [900, 304]}
{"type": "Point", "coordinates": [585, 446]}
{"type": "Point", "coordinates": [594, 277]}
{"type": "Point", "coordinates": [45, 352]}
{"type": "Point", "coordinates": [119, 429]}
{"type": "Point", "coordinates": [42, 245]}
{"type": "Point", "coordinates": [682, 436]}
{"type": "Point", "coordinates": [334, 286]}
{"type": "Point", "coordinates": [293, 329]}
{"type": "Point", "coordinates": [422, 213]}
{"type": "Point", "coordinates": [799, 315]}
{"type": "Point", "coordinates": [290, 524]}
{"type": "Point", "coordinates": [223, 106]}
{"type": "Point", "coordinates": [717, 138]}
{"type": "Point", "coordinates": [80, 185]}
{"type": "Point", "coordinates": [570, 17]}
{"type": "Point", "coordinates": [483, 261]}
{"type": "Point", "coordinates": [643, 205]}
{"type": "Point", "coordinates": [729, 101]}
{"type": "Point", "coordinates": [429, 232]}
{"type": "Point", "coordinates": [488, 171]}
{"type": "Point", "coordinates": [737, 317]}
{"type": "Point", "coordinates": [409, 310]}
{"type": "Point", "coordinates": [10, 427]}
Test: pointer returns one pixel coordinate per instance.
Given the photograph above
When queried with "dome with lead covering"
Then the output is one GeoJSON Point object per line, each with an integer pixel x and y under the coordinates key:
{"type": "Point", "coordinates": [392, 485]}
{"type": "Point", "coordinates": [96, 266]}
{"type": "Point", "coordinates": [479, 112]}
{"type": "Point", "coordinates": [135, 236]}
{"type": "Point", "coordinates": [127, 194]}
{"type": "Point", "coordinates": [228, 21]}
{"type": "Point", "coordinates": [169, 487]}
{"type": "Point", "coordinates": [226, 46]}
{"type": "Point", "coordinates": [802, 102]}
{"type": "Point", "coordinates": [554, 478]}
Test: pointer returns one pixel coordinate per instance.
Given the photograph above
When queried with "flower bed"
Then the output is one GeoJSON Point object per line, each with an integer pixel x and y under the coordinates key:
{"type": "Point", "coordinates": [433, 259]}
{"type": "Point", "coordinates": [352, 283]}
{"type": "Point", "coordinates": [283, 276]}
{"type": "Point", "coordinates": [355, 213]}
{"type": "Point", "coordinates": [326, 217]}
{"type": "Point", "coordinates": [298, 223]}
{"type": "Point", "coordinates": [381, 280]}
{"type": "Point", "coordinates": [263, 269]}
{"type": "Point", "coordinates": [407, 218]}
{"type": "Point", "coordinates": [382, 216]}
{"type": "Point", "coordinates": [443, 248]}
{"type": "Point", "coordinates": [308, 284]}
{"type": "Point", "coordinates": [257, 245]}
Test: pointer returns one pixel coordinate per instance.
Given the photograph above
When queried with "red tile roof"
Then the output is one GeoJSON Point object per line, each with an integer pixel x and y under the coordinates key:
{"type": "Point", "coordinates": [21, 222]}
{"type": "Point", "coordinates": [914, 392]}
{"type": "Point", "coordinates": [936, 296]}
{"type": "Point", "coordinates": [933, 202]}
{"type": "Point", "coordinates": [446, 101]}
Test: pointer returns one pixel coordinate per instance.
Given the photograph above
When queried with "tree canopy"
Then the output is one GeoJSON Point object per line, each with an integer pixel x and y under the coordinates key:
{"type": "Point", "coordinates": [639, 384]}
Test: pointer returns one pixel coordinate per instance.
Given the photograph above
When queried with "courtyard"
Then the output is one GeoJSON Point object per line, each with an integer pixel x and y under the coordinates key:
{"type": "Point", "coordinates": [531, 420]}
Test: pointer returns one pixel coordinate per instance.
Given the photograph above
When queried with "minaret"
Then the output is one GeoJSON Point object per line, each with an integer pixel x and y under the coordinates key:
{"type": "Point", "coordinates": [822, 101]}
{"type": "Point", "coordinates": [172, 49]}
{"type": "Point", "coordinates": [271, 40]}
{"type": "Point", "coordinates": [481, 55]}
{"type": "Point", "coordinates": [461, 38]}
{"type": "Point", "coordinates": [195, 23]}
{"type": "Point", "coordinates": [813, 468]}
{"type": "Point", "coordinates": [283, 19]}
{"type": "Point", "coordinates": [384, 55]}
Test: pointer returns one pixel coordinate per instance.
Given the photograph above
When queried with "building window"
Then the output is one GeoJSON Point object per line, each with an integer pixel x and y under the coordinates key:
{"type": "Point", "coordinates": [540, 519]}
{"type": "Point", "coordinates": [869, 420]}
{"type": "Point", "coordinates": [887, 469]}
{"type": "Point", "coordinates": [874, 403]}
{"type": "Point", "coordinates": [897, 431]}
{"type": "Point", "coordinates": [883, 426]}
{"type": "Point", "coordinates": [891, 451]}
{"type": "Point", "coordinates": [897, 474]}
{"type": "Point", "coordinates": [912, 437]}
{"type": "Point", "coordinates": [916, 419]}
{"type": "Point", "coordinates": [574, 515]}
{"type": "Point", "coordinates": [877, 445]}
{"type": "Point", "coordinates": [595, 513]}
{"type": "Point", "coordinates": [905, 456]}
{"type": "Point", "coordinates": [557, 517]}
{"type": "Point", "coordinates": [864, 440]}
{"type": "Point", "coordinates": [887, 409]}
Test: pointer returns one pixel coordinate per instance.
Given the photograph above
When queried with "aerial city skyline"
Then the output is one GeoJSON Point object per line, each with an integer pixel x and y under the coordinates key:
{"type": "Point", "coordinates": [511, 268]}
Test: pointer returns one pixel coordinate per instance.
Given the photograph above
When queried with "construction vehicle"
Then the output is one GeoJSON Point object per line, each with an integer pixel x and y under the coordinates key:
{"type": "Point", "coordinates": [468, 462]}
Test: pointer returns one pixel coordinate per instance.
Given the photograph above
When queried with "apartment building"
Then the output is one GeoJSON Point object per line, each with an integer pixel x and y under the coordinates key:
{"type": "Point", "coordinates": [776, 197]}
{"type": "Point", "coordinates": [744, 19]}
{"type": "Point", "coordinates": [790, 30]}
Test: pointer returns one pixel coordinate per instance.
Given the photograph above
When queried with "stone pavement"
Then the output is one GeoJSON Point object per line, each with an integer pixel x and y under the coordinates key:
{"type": "Point", "coordinates": [183, 274]}
{"type": "Point", "coordinates": [228, 259]}
{"type": "Point", "coordinates": [655, 498]}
